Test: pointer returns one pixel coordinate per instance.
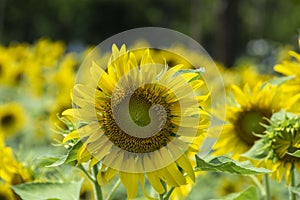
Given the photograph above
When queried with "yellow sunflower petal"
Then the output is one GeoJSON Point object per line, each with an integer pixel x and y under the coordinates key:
{"type": "Point", "coordinates": [185, 164]}
{"type": "Point", "coordinates": [71, 136]}
{"type": "Point", "coordinates": [130, 181]}
{"type": "Point", "coordinates": [288, 168]}
{"type": "Point", "coordinates": [153, 178]}
{"type": "Point", "coordinates": [142, 181]}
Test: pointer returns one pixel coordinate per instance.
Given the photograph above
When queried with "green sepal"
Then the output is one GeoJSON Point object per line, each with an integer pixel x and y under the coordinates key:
{"type": "Point", "coordinates": [259, 151]}
{"type": "Point", "coordinates": [295, 154]}
{"type": "Point", "coordinates": [277, 80]}
{"type": "Point", "coordinates": [198, 73]}
{"type": "Point", "coordinates": [70, 158]}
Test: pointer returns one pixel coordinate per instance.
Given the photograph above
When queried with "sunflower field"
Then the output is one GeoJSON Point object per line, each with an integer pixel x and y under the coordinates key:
{"type": "Point", "coordinates": [147, 113]}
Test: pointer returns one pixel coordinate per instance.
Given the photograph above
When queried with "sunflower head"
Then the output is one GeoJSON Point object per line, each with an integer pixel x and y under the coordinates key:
{"type": "Point", "coordinates": [12, 171]}
{"type": "Point", "coordinates": [246, 111]}
{"type": "Point", "coordinates": [12, 118]}
{"type": "Point", "coordinates": [139, 117]}
{"type": "Point", "coordinates": [5, 192]}
{"type": "Point", "coordinates": [282, 144]}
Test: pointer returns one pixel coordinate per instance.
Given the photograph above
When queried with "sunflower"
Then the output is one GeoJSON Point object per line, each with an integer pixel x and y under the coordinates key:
{"type": "Point", "coordinates": [139, 119]}
{"type": "Point", "coordinates": [245, 113]}
{"type": "Point", "coordinates": [12, 118]}
{"type": "Point", "coordinates": [12, 171]}
{"type": "Point", "coordinates": [281, 141]}
{"type": "Point", "coordinates": [291, 67]}
{"type": "Point", "coordinates": [228, 185]}
{"type": "Point", "coordinates": [5, 192]}
{"type": "Point", "coordinates": [241, 75]}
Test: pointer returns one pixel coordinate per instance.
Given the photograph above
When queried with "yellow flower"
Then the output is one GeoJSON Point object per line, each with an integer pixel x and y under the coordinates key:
{"type": "Point", "coordinates": [241, 75]}
{"type": "Point", "coordinates": [12, 118]}
{"type": "Point", "coordinates": [61, 82]}
{"type": "Point", "coordinates": [282, 139]}
{"type": "Point", "coordinates": [5, 192]}
{"type": "Point", "coordinates": [245, 112]}
{"type": "Point", "coordinates": [47, 52]}
{"type": "Point", "coordinates": [232, 184]}
{"type": "Point", "coordinates": [183, 191]}
{"type": "Point", "coordinates": [12, 172]}
{"type": "Point", "coordinates": [139, 119]}
{"type": "Point", "coordinates": [291, 67]}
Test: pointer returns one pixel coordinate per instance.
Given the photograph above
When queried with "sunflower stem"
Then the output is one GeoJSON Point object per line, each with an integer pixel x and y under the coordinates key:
{"type": "Point", "coordinates": [86, 173]}
{"type": "Point", "coordinates": [267, 187]}
{"type": "Point", "coordinates": [168, 194]}
{"type": "Point", "coordinates": [161, 196]}
{"type": "Point", "coordinates": [113, 189]}
{"type": "Point", "coordinates": [292, 185]}
{"type": "Point", "coordinates": [258, 184]}
{"type": "Point", "coordinates": [98, 191]}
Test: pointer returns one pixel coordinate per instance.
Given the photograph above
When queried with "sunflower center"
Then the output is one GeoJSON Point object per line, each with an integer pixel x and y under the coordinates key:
{"type": "Point", "coordinates": [149, 111]}
{"type": "Point", "coordinates": [7, 120]}
{"type": "Point", "coordinates": [139, 108]}
{"type": "Point", "coordinates": [249, 123]}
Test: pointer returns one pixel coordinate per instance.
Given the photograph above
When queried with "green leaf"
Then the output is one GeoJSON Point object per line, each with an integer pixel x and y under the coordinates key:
{"type": "Point", "coordinates": [69, 158]}
{"type": "Point", "coordinates": [249, 193]}
{"type": "Point", "coordinates": [257, 151]}
{"type": "Point", "coordinates": [295, 154]}
{"type": "Point", "coordinates": [38, 191]}
{"type": "Point", "coordinates": [225, 164]}
{"type": "Point", "coordinates": [199, 72]}
{"type": "Point", "coordinates": [278, 80]}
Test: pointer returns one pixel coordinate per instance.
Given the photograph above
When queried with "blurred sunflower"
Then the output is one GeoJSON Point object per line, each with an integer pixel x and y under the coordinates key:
{"type": "Point", "coordinates": [155, 136]}
{"type": "Point", "coordinates": [281, 141]}
{"type": "Point", "coordinates": [229, 185]}
{"type": "Point", "coordinates": [248, 109]}
{"type": "Point", "coordinates": [12, 172]}
{"type": "Point", "coordinates": [183, 191]}
{"type": "Point", "coordinates": [61, 82]}
{"type": "Point", "coordinates": [12, 118]}
{"type": "Point", "coordinates": [241, 75]}
{"type": "Point", "coordinates": [5, 192]}
{"type": "Point", "coordinates": [291, 67]}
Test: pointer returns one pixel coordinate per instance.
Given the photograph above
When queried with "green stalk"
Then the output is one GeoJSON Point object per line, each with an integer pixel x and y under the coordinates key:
{"type": "Point", "coordinates": [98, 191]}
{"type": "Point", "coordinates": [169, 193]}
{"type": "Point", "coordinates": [292, 185]}
{"type": "Point", "coordinates": [113, 189]}
{"type": "Point", "coordinates": [86, 173]}
{"type": "Point", "coordinates": [258, 184]}
{"type": "Point", "coordinates": [161, 196]}
{"type": "Point", "coordinates": [267, 187]}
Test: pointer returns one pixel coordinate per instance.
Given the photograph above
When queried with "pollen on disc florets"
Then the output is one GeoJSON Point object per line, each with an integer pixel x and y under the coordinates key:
{"type": "Point", "coordinates": [141, 101]}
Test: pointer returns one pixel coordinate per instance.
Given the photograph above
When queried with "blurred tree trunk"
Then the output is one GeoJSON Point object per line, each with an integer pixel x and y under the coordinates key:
{"type": "Point", "coordinates": [2, 15]}
{"type": "Point", "coordinates": [227, 33]}
{"type": "Point", "coordinates": [195, 20]}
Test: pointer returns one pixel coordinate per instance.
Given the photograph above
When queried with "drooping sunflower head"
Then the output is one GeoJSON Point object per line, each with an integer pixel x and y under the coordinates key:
{"type": "Point", "coordinates": [282, 144]}
{"type": "Point", "coordinates": [250, 107]}
{"type": "Point", "coordinates": [140, 117]}
{"type": "Point", "coordinates": [12, 118]}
